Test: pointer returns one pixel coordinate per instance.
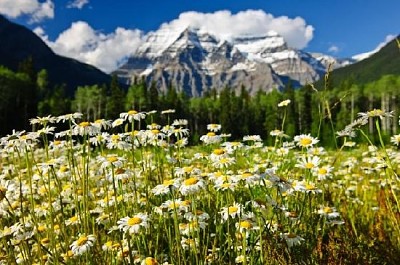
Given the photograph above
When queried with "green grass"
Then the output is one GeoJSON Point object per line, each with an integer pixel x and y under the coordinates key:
{"type": "Point", "coordinates": [119, 195]}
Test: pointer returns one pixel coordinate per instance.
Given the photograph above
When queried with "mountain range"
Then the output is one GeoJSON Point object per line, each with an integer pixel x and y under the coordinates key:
{"type": "Point", "coordinates": [195, 61]}
{"type": "Point", "coordinates": [17, 43]}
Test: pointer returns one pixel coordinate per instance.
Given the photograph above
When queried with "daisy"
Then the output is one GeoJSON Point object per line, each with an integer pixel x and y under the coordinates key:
{"type": "Point", "coordinates": [168, 111]}
{"type": "Point", "coordinates": [323, 172]}
{"type": "Point", "coordinates": [178, 204]}
{"type": "Point", "coordinates": [132, 115]}
{"type": "Point", "coordinates": [284, 103]}
{"type": "Point", "coordinates": [132, 225]}
{"type": "Point", "coordinates": [375, 113]}
{"type": "Point", "coordinates": [292, 239]}
{"type": "Point", "coordinates": [82, 244]}
{"type": "Point", "coordinates": [310, 162]}
{"type": "Point", "coordinates": [254, 138]}
{"type": "Point", "coordinates": [214, 127]}
{"type": "Point", "coordinates": [165, 187]}
{"type": "Point", "coordinates": [328, 212]}
{"type": "Point", "coordinates": [180, 122]}
{"type": "Point", "coordinates": [225, 186]}
{"type": "Point", "coordinates": [210, 138]}
{"type": "Point", "coordinates": [395, 139]}
{"type": "Point", "coordinates": [189, 243]}
{"type": "Point", "coordinates": [74, 220]}
{"type": "Point", "coordinates": [43, 120]}
{"type": "Point", "coordinates": [191, 185]}
{"type": "Point", "coordinates": [223, 162]}
{"type": "Point", "coordinates": [305, 140]}
{"type": "Point", "coordinates": [244, 226]}
{"type": "Point", "coordinates": [233, 211]}
{"type": "Point", "coordinates": [149, 261]}
{"type": "Point", "coordinates": [69, 117]}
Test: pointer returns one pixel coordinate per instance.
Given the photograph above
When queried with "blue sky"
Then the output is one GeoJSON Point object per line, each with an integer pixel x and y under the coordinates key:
{"type": "Point", "coordinates": [341, 28]}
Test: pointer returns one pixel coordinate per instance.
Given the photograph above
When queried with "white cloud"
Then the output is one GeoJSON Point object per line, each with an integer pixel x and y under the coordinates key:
{"type": "Point", "coordinates": [107, 51]}
{"type": "Point", "coordinates": [226, 25]}
{"type": "Point", "coordinates": [77, 4]}
{"type": "Point", "coordinates": [333, 49]}
{"type": "Point", "coordinates": [37, 10]}
{"type": "Point", "coordinates": [83, 43]}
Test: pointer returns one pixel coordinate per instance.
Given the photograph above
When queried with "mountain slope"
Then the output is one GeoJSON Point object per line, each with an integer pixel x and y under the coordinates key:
{"type": "Point", "coordinates": [384, 62]}
{"type": "Point", "coordinates": [17, 43]}
{"type": "Point", "coordinates": [195, 61]}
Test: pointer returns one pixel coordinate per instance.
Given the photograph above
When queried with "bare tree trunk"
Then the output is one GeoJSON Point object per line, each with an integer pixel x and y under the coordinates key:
{"type": "Point", "coordinates": [371, 107]}
{"type": "Point", "coordinates": [352, 107]}
{"type": "Point", "coordinates": [384, 108]}
{"type": "Point", "coordinates": [395, 120]}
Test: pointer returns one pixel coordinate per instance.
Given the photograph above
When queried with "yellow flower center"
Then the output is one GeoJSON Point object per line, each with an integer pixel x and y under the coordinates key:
{"type": "Point", "coordinates": [291, 235]}
{"type": "Point", "coordinates": [134, 221]}
{"type": "Point", "coordinates": [150, 261]}
{"type": "Point", "coordinates": [187, 169]}
{"type": "Point", "coordinates": [232, 209]}
{"type": "Point", "coordinates": [226, 185]}
{"type": "Point", "coordinates": [219, 152]}
{"type": "Point", "coordinates": [84, 124]}
{"type": "Point", "coordinates": [81, 241]}
{"type": "Point", "coordinates": [114, 137]}
{"type": "Point", "coordinates": [132, 112]}
{"type": "Point", "coordinates": [168, 182]}
{"type": "Point", "coordinates": [210, 134]}
{"type": "Point", "coordinates": [190, 181]}
{"type": "Point", "coordinates": [41, 228]}
{"type": "Point", "coordinates": [246, 175]}
{"type": "Point", "coordinates": [63, 169]}
{"type": "Point", "coordinates": [305, 141]}
{"type": "Point", "coordinates": [328, 210]}
{"type": "Point", "coordinates": [309, 165]}
{"type": "Point", "coordinates": [310, 187]}
{"type": "Point", "coordinates": [185, 203]}
{"type": "Point", "coordinates": [112, 159]}
{"type": "Point", "coordinates": [73, 219]}
{"type": "Point", "coordinates": [155, 131]}
{"type": "Point", "coordinates": [245, 224]}
{"type": "Point", "coordinates": [322, 171]}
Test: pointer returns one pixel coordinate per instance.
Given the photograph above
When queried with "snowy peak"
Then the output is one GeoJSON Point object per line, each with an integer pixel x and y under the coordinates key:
{"type": "Point", "coordinates": [195, 61]}
{"type": "Point", "coordinates": [259, 47]}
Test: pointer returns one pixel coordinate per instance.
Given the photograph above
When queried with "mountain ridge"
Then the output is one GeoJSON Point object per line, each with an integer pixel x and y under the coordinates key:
{"type": "Point", "coordinates": [17, 43]}
{"type": "Point", "coordinates": [195, 61]}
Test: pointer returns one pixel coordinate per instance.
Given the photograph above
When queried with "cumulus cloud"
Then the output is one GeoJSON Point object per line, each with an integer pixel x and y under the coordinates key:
{"type": "Point", "coordinates": [226, 25]}
{"type": "Point", "coordinates": [333, 49]}
{"type": "Point", "coordinates": [37, 10]}
{"type": "Point", "coordinates": [107, 51]}
{"type": "Point", "coordinates": [82, 42]}
{"type": "Point", "coordinates": [77, 4]}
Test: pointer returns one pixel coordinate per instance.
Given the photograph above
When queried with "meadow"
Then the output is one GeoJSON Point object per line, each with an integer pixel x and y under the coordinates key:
{"type": "Point", "coordinates": [131, 191]}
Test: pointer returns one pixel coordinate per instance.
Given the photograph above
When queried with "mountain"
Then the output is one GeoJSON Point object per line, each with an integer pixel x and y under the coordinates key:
{"type": "Point", "coordinates": [17, 43]}
{"type": "Point", "coordinates": [195, 61]}
{"type": "Point", "coordinates": [386, 61]}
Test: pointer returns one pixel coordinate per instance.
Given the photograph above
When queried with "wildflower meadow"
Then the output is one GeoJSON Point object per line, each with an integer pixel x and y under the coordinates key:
{"type": "Point", "coordinates": [132, 191]}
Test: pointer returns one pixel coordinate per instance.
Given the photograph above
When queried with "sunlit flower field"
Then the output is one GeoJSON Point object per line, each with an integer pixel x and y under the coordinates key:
{"type": "Point", "coordinates": [131, 191]}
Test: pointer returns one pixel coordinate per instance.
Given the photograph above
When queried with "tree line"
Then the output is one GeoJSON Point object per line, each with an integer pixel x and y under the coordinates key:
{"type": "Point", "coordinates": [321, 112]}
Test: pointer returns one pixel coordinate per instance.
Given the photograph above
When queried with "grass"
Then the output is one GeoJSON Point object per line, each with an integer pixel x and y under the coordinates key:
{"type": "Point", "coordinates": [112, 192]}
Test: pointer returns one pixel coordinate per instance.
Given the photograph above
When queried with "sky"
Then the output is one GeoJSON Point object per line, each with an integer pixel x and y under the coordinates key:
{"type": "Point", "coordinates": [104, 32]}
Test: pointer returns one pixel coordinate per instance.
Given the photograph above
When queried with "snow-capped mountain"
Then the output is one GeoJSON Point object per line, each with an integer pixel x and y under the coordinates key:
{"type": "Point", "coordinates": [195, 61]}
